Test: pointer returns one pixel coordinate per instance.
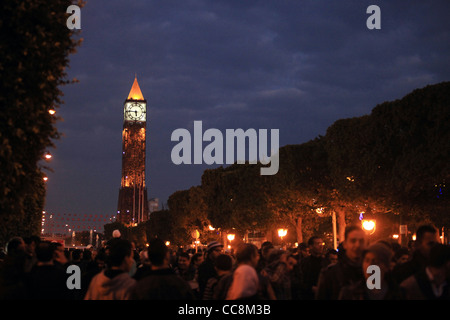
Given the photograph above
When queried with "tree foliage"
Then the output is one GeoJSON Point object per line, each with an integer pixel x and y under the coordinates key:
{"type": "Point", "coordinates": [394, 160]}
{"type": "Point", "coordinates": [34, 48]}
{"type": "Point", "coordinates": [397, 158]}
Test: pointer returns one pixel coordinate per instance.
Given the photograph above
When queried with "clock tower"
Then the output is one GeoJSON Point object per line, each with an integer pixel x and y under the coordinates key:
{"type": "Point", "coordinates": [133, 206]}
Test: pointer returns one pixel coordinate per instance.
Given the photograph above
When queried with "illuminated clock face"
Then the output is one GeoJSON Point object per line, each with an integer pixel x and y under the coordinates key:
{"type": "Point", "coordinates": [135, 112]}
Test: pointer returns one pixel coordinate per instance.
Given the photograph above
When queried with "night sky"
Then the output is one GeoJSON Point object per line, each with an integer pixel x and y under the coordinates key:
{"type": "Point", "coordinates": [297, 66]}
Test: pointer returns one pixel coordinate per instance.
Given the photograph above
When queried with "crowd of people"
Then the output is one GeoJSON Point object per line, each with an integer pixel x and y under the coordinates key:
{"type": "Point", "coordinates": [35, 269]}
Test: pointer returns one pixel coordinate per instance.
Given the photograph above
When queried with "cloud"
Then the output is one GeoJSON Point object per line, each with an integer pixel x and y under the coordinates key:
{"type": "Point", "coordinates": [293, 65]}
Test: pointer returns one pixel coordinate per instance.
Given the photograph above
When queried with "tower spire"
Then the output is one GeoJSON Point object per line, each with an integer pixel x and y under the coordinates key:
{"type": "Point", "coordinates": [135, 92]}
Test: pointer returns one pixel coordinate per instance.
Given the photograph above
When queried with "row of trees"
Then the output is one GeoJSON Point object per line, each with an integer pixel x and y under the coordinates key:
{"type": "Point", "coordinates": [392, 165]}
{"type": "Point", "coordinates": [34, 48]}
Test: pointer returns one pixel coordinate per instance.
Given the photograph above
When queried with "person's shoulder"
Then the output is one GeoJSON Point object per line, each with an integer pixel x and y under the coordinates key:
{"type": "Point", "coordinates": [409, 282]}
{"type": "Point", "coordinates": [331, 268]}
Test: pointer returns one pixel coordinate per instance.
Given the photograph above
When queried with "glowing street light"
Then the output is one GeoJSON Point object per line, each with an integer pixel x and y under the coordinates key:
{"type": "Point", "coordinates": [282, 233]}
{"type": "Point", "coordinates": [47, 156]}
{"type": "Point", "coordinates": [369, 225]}
{"type": "Point", "coordinates": [230, 238]}
{"type": "Point", "coordinates": [211, 228]}
{"type": "Point", "coordinates": [45, 179]}
{"type": "Point", "coordinates": [52, 111]}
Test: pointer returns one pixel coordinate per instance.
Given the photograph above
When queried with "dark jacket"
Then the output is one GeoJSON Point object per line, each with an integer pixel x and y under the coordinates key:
{"type": "Point", "coordinates": [49, 283]}
{"type": "Point", "coordinates": [205, 271]}
{"type": "Point", "coordinates": [359, 291]}
{"type": "Point", "coordinates": [336, 276]}
{"type": "Point", "coordinates": [161, 284]}
{"type": "Point", "coordinates": [13, 278]}
{"type": "Point", "coordinates": [418, 287]}
{"type": "Point", "coordinates": [311, 267]}
{"type": "Point", "coordinates": [403, 271]}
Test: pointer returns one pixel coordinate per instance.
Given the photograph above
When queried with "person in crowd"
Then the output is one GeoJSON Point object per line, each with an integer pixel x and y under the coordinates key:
{"type": "Point", "coordinates": [432, 282]}
{"type": "Point", "coordinates": [401, 256]}
{"type": "Point", "coordinates": [311, 266]}
{"type": "Point", "coordinates": [187, 271]}
{"type": "Point", "coordinates": [12, 270]}
{"type": "Point", "coordinates": [243, 283]}
{"type": "Point", "coordinates": [30, 249]}
{"type": "Point", "coordinates": [145, 267]}
{"type": "Point", "coordinates": [303, 251]}
{"type": "Point", "coordinates": [378, 254]}
{"type": "Point", "coordinates": [224, 266]}
{"type": "Point", "coordinates": [331, 257]}
{"type": "Point", "coordinates": [161, 282]}
{"type": "Point", "coordinates": [114, 282]}
{"type": "Point", "coordinates": [86, 260]}
{"type": "Point", "coordinates": [279, 271]}
{"type": "Point", "coordinates": [266, 249]}
{"type": "Point", "coordinates": [183, 268]}
{"type": "Point", "coordinates": [206, 270]}
{"type": "Point", "coordinates": [95, 268]}
{"type": "Point", "coordinates": [59, 257]}
{"type": "Point", "coordinates": [426, 237]}
{"type": "Point", "coordinates": [46, 280]}
{"type": "Point", "coordinates": [76, 257]}
{"type": "Point", "coordinates": [348, 269]}
{"type": "Point", "coordinates": [196, 260]}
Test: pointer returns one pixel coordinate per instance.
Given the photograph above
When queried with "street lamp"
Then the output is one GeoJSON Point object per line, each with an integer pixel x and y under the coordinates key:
{"type": "Point", "coordinates": [282, 233]}
{"type": "Point", "coordinates": [369, 226]}
{"type": "Point", "coordinates": [230, 238]}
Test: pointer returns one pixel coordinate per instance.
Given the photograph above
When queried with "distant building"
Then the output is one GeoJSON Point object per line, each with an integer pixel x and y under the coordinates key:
{"type": "Point", "coordinates": [153, 205]}
{"type": "Point", "coordinates": [133, 205]}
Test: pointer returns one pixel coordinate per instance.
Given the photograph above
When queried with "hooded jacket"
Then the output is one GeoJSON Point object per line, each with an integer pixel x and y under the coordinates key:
{"type": "Point", "coordinates": [116, 287]}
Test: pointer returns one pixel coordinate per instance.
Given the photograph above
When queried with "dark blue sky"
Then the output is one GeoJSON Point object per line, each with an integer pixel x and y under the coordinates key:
{"type": "Point", "coordinates": [297, 66]}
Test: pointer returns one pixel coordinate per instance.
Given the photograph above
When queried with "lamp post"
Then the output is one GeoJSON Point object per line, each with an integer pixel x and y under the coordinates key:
{"type": "Point", "coordinates": [195, 234]}
{"type": "Point", "coordinates": [282, 233]}
{"type": "Point", "coordinates": [230, 238]}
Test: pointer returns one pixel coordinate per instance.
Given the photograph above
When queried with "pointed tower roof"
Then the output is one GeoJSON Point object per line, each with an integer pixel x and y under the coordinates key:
{"type": "Point", "coordinates": [135, 92]}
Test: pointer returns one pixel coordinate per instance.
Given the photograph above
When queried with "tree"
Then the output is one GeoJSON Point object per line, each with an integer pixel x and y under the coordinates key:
{"type": "Point", "coordinates": [235, 198]}
{"type": "Point", "coordinates": [300, 187]}
{"type": "Point", "coordinates": [397, 158]}
{"type": "Point", "coordinates": [34, 48]}
{"type": "Point", "coordinates": [159, 225]}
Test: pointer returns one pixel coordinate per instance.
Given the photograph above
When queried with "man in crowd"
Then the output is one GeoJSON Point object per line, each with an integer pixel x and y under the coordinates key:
{"type": "Point", "coordinates": [161, 282]}
{"type": "Point", "coordinates": [114, 282]}
{"type": "Point", "coordinates": [348, 269]}
{"type": "Point", "coordinates": [311, 266]}
{"type": "Point", "coordinates": [47, 280]}
{"type": "Point", "coordinates": [426, 237]}
{"type": "Point", "coordinates": [432, 282]}
{"type": "Point", "coordinates": [206, 270]}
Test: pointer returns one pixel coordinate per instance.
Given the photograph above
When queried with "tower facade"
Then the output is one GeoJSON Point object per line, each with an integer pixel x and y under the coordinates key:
{"type": "Point", "coordinates": [132, 206]}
